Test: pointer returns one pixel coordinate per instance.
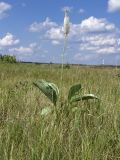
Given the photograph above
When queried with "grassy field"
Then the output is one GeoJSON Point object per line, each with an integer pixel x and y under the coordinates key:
{"type": "Point", "coordinates": [92, 132]}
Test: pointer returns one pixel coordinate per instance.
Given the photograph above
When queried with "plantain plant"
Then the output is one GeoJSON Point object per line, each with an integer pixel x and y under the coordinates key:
{"type": "Point", "coordinates": [52, 93]}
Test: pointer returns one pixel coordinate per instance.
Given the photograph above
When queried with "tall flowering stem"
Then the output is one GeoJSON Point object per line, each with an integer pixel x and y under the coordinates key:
{"type": "Point", "coordinates": [62, 56]}
{"type": "Point", "coordinates": [66, 32]}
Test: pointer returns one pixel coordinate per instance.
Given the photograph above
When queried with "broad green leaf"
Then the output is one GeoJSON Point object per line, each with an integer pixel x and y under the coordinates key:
{"type": "Point", "coordinates": [89, 96]}
{"type": "Point", "coordinates": [54, 87]}
{"type": "Point", "coordinates": [49, 89]}
{"type": "Point", "coordinates": [46, 111]}
{"type": "Point", "coordinates": [84, 97]}
{"type": "Point", "coordinates": [74, 90]}
{"type": "Point", "coordinates": [75, 98]}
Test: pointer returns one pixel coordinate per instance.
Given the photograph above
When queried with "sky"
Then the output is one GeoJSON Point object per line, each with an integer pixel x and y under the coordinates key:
{"type": "Point", "coordinates": [32, 30]}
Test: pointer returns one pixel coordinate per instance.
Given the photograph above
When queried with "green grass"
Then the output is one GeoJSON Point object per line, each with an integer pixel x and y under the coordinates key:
{"type": "Point", "coordinates": [90, 133]}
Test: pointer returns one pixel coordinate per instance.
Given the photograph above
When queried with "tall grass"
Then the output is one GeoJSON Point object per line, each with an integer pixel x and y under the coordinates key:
{"type": "Point", "coordinates": [90, 133]}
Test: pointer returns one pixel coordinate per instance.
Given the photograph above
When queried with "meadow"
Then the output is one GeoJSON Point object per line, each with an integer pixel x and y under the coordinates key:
{"type": "Point", "coordinates": [91, 132]}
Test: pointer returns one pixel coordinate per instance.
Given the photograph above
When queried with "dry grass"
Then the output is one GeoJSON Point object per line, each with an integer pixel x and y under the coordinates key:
{"type": "Point", "coordinates": [90, 133]}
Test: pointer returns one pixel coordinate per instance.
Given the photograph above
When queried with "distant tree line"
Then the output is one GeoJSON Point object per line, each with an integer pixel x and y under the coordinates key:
{"type": "Point", "coordinates": [8, 59]}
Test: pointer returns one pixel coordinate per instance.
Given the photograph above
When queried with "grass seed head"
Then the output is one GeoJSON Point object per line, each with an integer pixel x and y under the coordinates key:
{"type": "Point", "coordinates": [66, 23]}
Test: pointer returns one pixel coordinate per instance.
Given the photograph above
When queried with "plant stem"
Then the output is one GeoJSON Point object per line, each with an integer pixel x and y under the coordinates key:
{"type": "Point", "coordinates": [62, 66]}
{"type": "Point", "coordinates": [62, 57]}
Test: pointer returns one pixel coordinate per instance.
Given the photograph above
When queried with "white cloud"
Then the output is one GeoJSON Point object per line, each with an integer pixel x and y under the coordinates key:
{"type": "Point", "coordinates": [106, 50]}
{"type": "Point", "coordinates": [81, 10]}
{"type": "Point", "coordinates": [54, 42]}
{"type": "Point", "coordinates": [96, 36]}
{"type": "Point", "coordinates": [94, 42]}
{"type": "Point", "coordinates": [21, 49]}
{"type": "Point", "coordinates": [33, 45]}
{"type": "Point", "coordinates": [31, 48]}
{"type": "Point", "coordinates": [31, 52]}
{"type": "Point", "coordinates": [113, 5]}
{"type": "Point", "coordinates": [86, 57]}
{"type": "Point", "coordinates": [4, 7]}
{"type": "Point", "coordinates": [99, 40]}
{"type": "Point", "coordinates": [54, 34]}
{"type": "Point", "coordinates": [100, 44]}
{"type": "Point", "coordinates": [88, 47]}
{"type": "Point", "coordinates": [8, 40]}
{"type": "Point", "coordinates": [93, 24]}
{"type": "Point", "coordinates": [81, 30]}
{"type": "Point", "coordinates": [93, 36]}
{"type": "Point", "coordinates": [38, 27]}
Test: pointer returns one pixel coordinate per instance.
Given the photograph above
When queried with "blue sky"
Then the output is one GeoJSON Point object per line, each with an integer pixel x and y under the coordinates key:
{"type": "Point", "coordinates": [32, 30]}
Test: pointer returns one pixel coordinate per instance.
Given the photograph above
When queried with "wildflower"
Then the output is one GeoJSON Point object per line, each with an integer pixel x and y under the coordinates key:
{"type": "Point", "coordinates": [66, 24]}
